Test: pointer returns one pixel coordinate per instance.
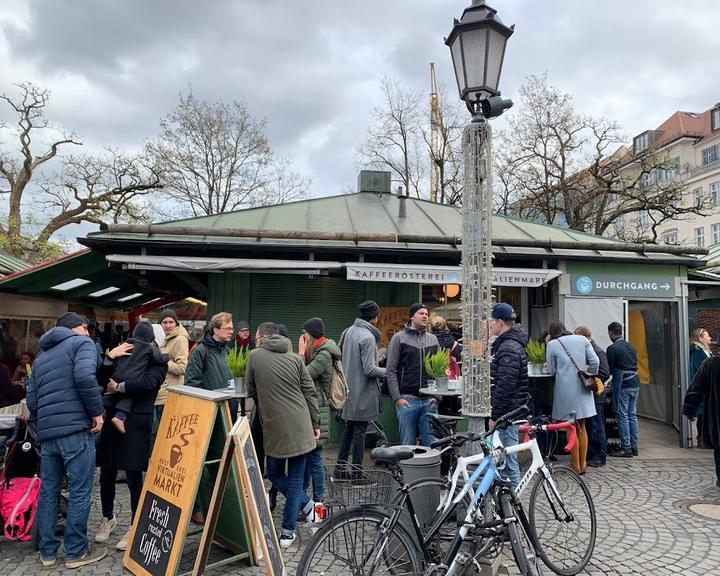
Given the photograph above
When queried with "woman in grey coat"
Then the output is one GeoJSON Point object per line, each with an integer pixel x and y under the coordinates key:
{"type": "Point", "coordinates": [570, 393]}
{"type": "Point", "coordinates": [360, 364]}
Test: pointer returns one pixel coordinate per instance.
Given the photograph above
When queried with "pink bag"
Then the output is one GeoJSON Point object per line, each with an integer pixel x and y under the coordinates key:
{"type": "Point", "coordinates": [18, 506]}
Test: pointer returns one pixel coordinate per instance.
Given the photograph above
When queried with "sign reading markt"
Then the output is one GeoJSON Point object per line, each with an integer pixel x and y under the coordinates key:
{"type": "Point", "coordinates": [625, 285]}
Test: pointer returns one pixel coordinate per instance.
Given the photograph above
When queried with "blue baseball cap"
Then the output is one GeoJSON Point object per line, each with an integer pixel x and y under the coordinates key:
{"type": "Point", "coordinates": [503, 311]}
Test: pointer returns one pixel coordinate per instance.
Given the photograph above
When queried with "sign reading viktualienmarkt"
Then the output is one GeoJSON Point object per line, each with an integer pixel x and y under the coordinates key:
{"type": "Point", "coordinates": [627, 285]}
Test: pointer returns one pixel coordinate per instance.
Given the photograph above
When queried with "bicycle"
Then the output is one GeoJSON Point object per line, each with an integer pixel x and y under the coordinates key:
{"type": "Point", "coordinates": [560, 502]}
{"type": "Point", "coordinates": [372, 539]}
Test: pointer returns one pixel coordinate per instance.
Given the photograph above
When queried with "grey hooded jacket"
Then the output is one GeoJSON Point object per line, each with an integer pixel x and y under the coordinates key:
{"type": "Point", "coordinates": [360, 364]}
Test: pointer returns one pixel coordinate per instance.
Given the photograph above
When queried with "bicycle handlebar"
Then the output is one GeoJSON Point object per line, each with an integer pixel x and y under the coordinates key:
{"type": "Point", "coordinates": [535, 428]}
{"type": "Point", "coordinates": [502, 422]}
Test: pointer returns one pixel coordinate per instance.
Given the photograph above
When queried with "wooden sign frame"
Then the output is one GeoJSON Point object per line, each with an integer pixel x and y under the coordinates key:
{"type": "Point", "coordinates": [192, 418]}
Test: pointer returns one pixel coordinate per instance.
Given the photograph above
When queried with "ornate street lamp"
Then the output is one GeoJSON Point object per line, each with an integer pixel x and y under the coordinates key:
{"type": "Point", "coordinates": [477, 44]}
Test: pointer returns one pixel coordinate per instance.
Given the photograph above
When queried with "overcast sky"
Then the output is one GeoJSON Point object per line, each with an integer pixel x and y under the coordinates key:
{"type": "Point", "coordinates": [313, 67]}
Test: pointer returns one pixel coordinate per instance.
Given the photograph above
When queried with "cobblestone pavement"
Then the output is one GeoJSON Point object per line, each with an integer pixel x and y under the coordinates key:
{"type": "Point", "coordinates": [643, 527]}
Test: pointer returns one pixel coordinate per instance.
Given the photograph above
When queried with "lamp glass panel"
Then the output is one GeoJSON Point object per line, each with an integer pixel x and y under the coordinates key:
{"type": "Point", "coordinates": [496, 50]}
{"type": "Point", "coordinates": [456, 51]}
{"type": "Point", "coordinates": [474, 50]}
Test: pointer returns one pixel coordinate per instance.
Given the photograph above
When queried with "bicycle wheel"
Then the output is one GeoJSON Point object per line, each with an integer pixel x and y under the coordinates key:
{"type": "Point", "coordinates": [426, 495]}
{"type": "Point", "coordinates": [352, 541]}
{"type": "Point", "coordinates": [519, 540]}
{"type": "Point", "coordinates": [562, 521]}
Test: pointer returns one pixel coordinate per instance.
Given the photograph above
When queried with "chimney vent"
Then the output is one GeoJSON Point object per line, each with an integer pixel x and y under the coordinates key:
{"type": "Point", "coordinates": [402, 209]}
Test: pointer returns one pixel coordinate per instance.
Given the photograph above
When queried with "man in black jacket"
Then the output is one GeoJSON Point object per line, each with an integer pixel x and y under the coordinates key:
{"type": "Point", "coordinates": [622, 360]}
{"type": "Point", "coordinates": [509, 376]}
{"type": "Point", "coordinates": [597, 441]}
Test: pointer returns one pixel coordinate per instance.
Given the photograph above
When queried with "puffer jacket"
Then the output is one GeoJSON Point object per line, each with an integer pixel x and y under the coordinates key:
{"type": "Point", "coordinates": [320, 368]}
{"type": "Point", "coordinates": [63, 394]}
{"type": "Point", "coordinates": [509, 382]}
{"type": "Point", "coordinates": [207, 367]}
{"type": "Point", "coordinates": [406, 372]}
{"type": "Point", "coordinates": [176, 348]}
{"type": "Point", "coordinates": [286, 398]}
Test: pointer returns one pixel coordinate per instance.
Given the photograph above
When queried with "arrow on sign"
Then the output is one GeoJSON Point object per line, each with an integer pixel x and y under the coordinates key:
{"type": "Point", "coordinates": [665, 286]}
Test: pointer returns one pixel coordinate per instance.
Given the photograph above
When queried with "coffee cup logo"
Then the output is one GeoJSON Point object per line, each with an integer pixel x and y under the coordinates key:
{"type": "Point", "coordinates": [175, 455]}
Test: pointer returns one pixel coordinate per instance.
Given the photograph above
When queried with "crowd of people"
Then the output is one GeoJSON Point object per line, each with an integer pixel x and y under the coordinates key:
{"type": "Point", "coordinates": [96, 409]}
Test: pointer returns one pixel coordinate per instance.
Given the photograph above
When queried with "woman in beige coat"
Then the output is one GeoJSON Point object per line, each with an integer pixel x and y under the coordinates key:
{"type": "Point", "coordinates": [176, 347]}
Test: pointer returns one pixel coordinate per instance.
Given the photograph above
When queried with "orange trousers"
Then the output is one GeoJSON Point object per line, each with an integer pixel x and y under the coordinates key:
{"type": "Point", "coordinates": [578, 455]}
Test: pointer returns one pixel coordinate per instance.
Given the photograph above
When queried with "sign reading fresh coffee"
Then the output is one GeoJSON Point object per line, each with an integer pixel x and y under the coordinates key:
{"type": "Point", "coordinates": [157, 529]}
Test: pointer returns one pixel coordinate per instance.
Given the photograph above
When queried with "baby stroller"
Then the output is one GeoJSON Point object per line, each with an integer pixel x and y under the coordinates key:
{"type": "Point", "coordinates": [19, 480]}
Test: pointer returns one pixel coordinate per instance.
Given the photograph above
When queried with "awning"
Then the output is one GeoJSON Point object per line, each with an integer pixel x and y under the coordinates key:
{"type": "Point", "coordinates": [530, 277]}
{"type": "Point", "coordinates": [210, 264]}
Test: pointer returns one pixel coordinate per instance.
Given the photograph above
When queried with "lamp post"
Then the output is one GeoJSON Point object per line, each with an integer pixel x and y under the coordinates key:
{"type": "Point", "coordinates": [477, 43]}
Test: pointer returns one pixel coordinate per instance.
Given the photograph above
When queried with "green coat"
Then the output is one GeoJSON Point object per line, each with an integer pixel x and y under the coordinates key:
{"type": "Point", "coordinates": [286, 398]}
{"type": "Point", "coordinates": [320, 370]}
{"type": "Point", "coordinates": [207, 367]}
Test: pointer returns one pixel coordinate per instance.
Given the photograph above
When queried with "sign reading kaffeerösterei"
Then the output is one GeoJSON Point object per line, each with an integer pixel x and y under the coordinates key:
{"type": "Point", "coordinates": [622, 285]}
{"type": "Point", "coordinates": [445, 275]}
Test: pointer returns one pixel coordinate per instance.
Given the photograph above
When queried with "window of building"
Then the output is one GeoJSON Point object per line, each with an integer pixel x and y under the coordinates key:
{"type": "Point", "coordinates": [641, 142]}
{"type": "Point", "coordinates": [700, 236]}
{"type": "Point", "coordinates": [716, 233]}
{"type": "Point", "coordinates": [715, 192]}
{"type": "Point", "coordinates": [715, 118]}
{"type": "Point", "coordinates": [670, 238]}
{"type": "Point", "coordinates": [697, 196]}
{"type": "Point", "coordinates": [643, 219]}
{"type": "Point", "coordinates": [710, 154]}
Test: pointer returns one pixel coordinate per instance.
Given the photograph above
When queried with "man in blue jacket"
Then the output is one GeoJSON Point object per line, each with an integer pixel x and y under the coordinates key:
{"type": "Point", "coordinates": [622, 361]}
{"type": "Point", "coordinates": [509, 377]}
{"type": "Point", "coordinates": [65, 401]}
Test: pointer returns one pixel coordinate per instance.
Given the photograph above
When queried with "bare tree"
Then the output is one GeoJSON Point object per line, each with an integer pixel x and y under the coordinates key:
{"type": "Point", "coordinates": [216, 158]}
{"type": "Point", "coordinates": [77, 189]}
{"type": "Point", "coordinates": [394, 140]}
{"type": "Point", "coordinates": [554, 164]}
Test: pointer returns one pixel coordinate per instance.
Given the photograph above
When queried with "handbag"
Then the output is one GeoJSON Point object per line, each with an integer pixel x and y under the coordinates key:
{"type": "Point", "coordinates": [588, 380]}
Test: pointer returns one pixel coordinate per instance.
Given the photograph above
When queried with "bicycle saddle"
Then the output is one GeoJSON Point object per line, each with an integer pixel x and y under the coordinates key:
{"type": "Point", "coordinates": [390, 456]}
{"type": "Point", "coordinates": [443, 419]}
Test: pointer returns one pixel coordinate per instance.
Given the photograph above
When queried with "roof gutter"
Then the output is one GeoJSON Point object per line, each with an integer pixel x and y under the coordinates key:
{"type": "Point", "coordinates": [162, 229]}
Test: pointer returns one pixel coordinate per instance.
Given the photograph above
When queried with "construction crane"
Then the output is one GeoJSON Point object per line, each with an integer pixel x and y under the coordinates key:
{"type": "Point", "coordinates": [435, 134]}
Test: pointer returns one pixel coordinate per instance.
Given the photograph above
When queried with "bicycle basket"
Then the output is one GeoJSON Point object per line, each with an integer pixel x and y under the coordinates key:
{"type": "Point", "coordinates": [348, 485]}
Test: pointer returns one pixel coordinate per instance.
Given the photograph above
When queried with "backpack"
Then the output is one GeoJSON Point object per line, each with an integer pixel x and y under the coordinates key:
{"type": "Point", "coordinates": [18, 506]}
{"type": "Point", "coordinates": [338, 388]}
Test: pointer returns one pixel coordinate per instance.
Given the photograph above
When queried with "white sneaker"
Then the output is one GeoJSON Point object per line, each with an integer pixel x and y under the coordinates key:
{"type": "Point", "coordinates": [106, 528]}
{"type": "Point", "coordinates": [286, 541]}
{"type": "Point", "coordinates": [122, 545]}
{"type": "Point", "coordinates": [316, 516]}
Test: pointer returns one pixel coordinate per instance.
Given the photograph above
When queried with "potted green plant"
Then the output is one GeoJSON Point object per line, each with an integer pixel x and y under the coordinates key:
{"type": "Point", "coordinates": [436, 366]}
{"type": "Point", "coordinates": [536, 357]}
{"type": "Point", "coordinates": [237, 363]}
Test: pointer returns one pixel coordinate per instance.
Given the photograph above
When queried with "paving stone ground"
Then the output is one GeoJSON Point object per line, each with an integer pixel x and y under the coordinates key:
{"type": "Point", "coordinates": [643, 528]}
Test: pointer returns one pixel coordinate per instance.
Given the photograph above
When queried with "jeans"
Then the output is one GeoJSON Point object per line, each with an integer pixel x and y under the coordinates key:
{"type": "Point", "coordinates": [509, 437]}
{"type": "Point", "coordinates": [73, 455]}
{"type": "Point", "coordinates": [353, 437]}
{"type": "Point", "coordinates": [315, 471]}
{"type": "Point", "coordinates": [412, 419]}
{"type": "Point", "coordinates": [597, 442]}
{"type": "Point", "coordinates": [290, 485]}
{"type": "Point", "coordinates": [108, 476]}
{"type": "Point", "coordinates": [627, 417]}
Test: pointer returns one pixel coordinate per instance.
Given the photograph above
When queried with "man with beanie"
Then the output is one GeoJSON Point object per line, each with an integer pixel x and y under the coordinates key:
{"type": "Point", "coordinates": [360, 364]}
{"type": "Point", "coordinates": [509, 382]}
{"type": "Point", "coordinates": [406, 375]}
{"type": "Point", "coordinates": [176, 347]}
{"type": "Point", "coordinates": [65, 400]}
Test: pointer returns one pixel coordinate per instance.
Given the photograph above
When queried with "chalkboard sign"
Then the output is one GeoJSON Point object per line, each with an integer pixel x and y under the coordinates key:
{"type": "Point", "coordinates": [158, 527]}
{"type": "Point", "coordinates": [256, 501]}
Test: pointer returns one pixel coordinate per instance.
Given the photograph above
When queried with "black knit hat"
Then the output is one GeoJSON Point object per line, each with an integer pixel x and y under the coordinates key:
{"type": "Point", "coordinates": [243, 325]}
{"type": "Point", "coordinates": [70, 320]}
{"type": "Point", "coordinates": [315, 327]}
{"type": "Point", "coordinates": [169, 313]}
{"type": "Point", "coordinates": [283, 331]}
{"type": "Point", "coordinates": [368, 310]}
{"type": "Point", "coordinates": [414, 308]}
{"type": "Point", "coordinates": [144, 332]}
